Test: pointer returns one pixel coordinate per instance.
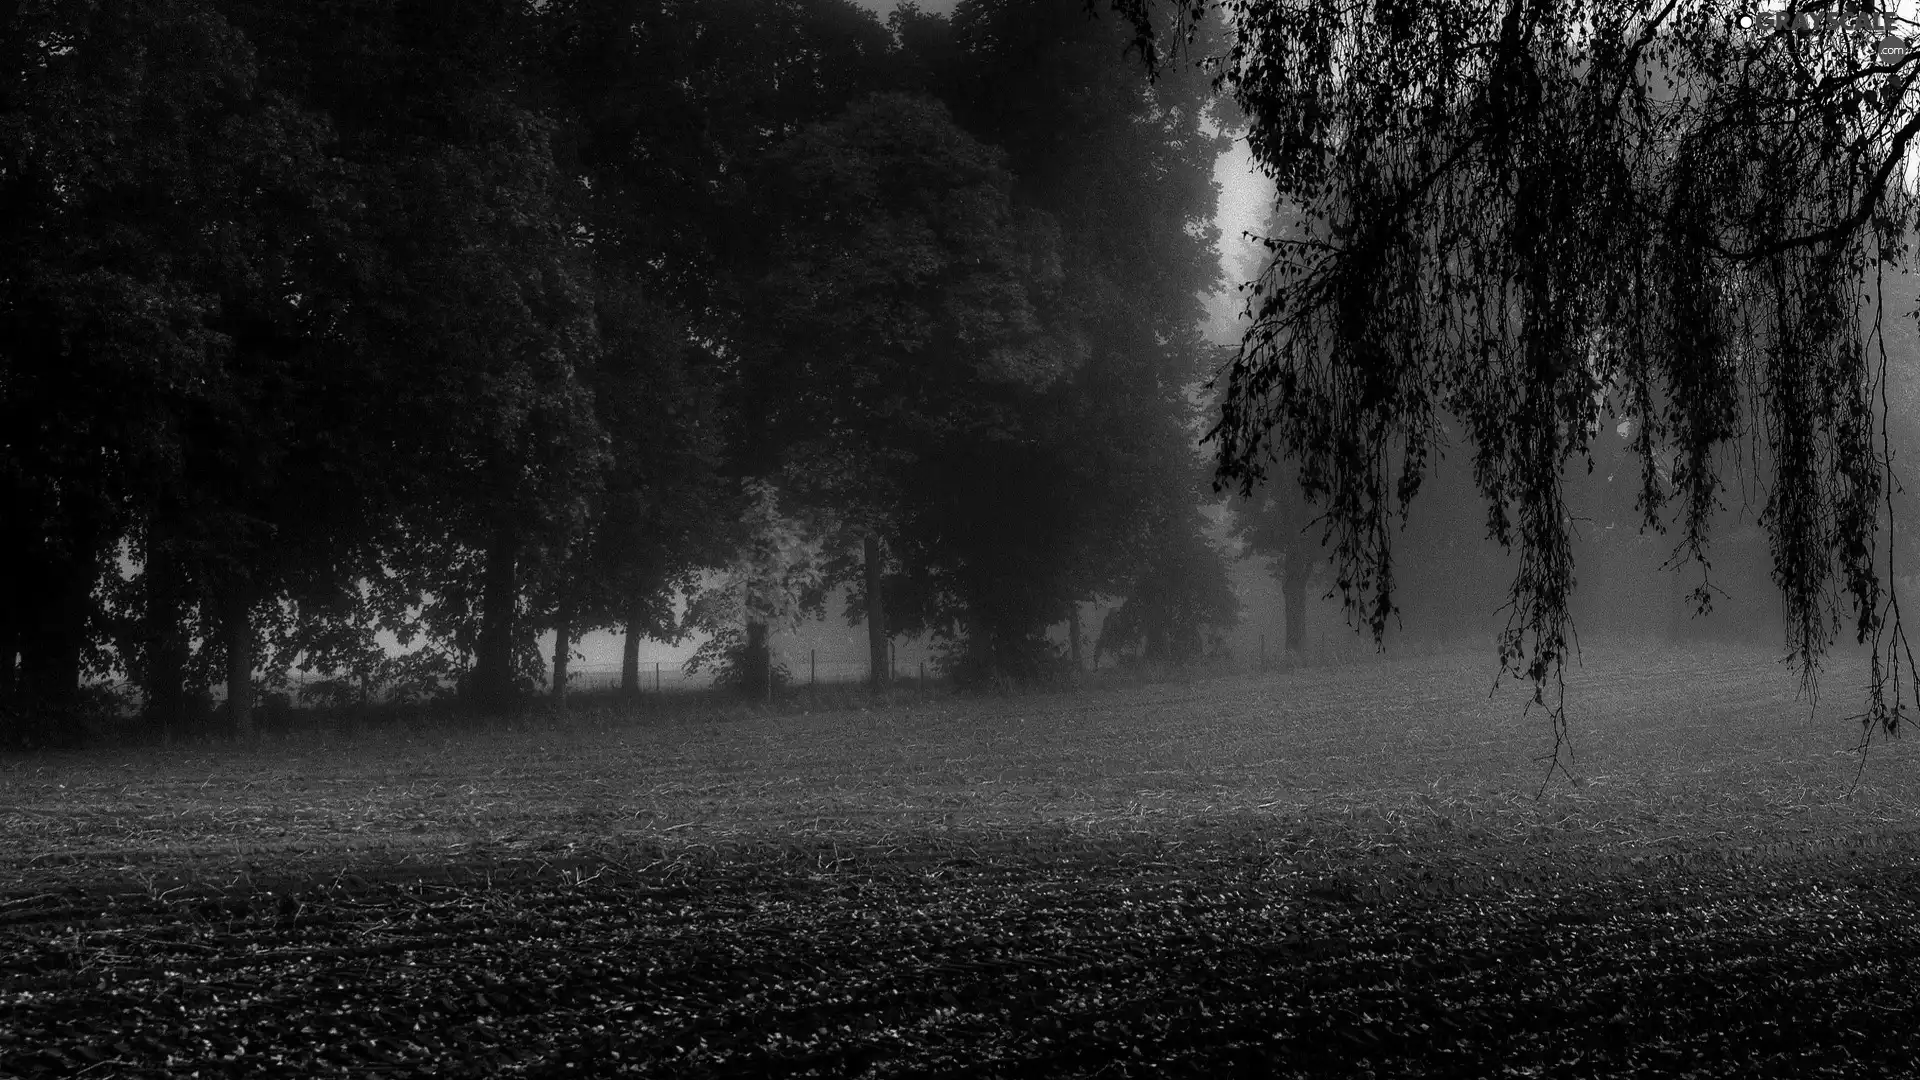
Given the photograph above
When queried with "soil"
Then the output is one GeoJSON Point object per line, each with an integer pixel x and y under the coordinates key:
{"type": "Point", "coordinates": [1226, 956]}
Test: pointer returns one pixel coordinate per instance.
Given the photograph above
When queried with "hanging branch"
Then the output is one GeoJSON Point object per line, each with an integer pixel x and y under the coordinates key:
{"type": "Point", "coordinates": [1517, 215]}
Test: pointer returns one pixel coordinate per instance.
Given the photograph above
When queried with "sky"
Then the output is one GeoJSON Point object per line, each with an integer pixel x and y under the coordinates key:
{"type": "Point", "coordinates": [1245, 197]}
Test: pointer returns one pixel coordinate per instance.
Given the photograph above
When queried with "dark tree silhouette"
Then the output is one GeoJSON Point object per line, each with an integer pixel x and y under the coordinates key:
{"type": "Point", "coordinates": [1101, 479]}
{"type": "Point", "coordinates": [897, 318]}
{"type": "Point", "coordinates": [1531, 215]}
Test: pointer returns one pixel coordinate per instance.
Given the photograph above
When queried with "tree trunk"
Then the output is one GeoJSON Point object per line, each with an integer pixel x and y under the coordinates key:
{"type": "Point", "coordinates": [562, 651]}
{"type": "Point", "coordinates": [9, 639]}
{"type": "Point", "coordinates": [165, 674]}
{"type": "Point", "coordinates": [757, 681]}
{"type": "Point", "coordinates": [13, 591]}
{"type": "Point", "coordinates": [493, 659]}
{"type": "Point", "coordinates": [236, 617]}
{"type": "Point", "coordinates": [630, 653]}
{"type": "Point", "coordinates": [1073, 633]}
{"type": "Point", "coordinates": [982, 653]}
{"type": "Point", "coordinates": [9, 658]}
{"type": "Point", "coordinates": [1293, 592]}
{"type": "Point", "coordinates": [877, 657]}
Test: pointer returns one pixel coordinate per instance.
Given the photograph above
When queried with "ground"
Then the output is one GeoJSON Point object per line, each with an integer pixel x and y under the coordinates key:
{"type": "Point", "coordinates": [1344, 869]}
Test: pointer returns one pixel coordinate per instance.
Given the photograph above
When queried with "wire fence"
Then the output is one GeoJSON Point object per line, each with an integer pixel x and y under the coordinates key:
{"type": "Point", "coordinates": [666, 678]}
{"type": "Point", "coordinates": [802, 670]}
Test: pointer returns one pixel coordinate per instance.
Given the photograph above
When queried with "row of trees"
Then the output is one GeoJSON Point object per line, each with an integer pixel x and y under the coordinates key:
{"type": "Point", "coordinates": [331, 327]}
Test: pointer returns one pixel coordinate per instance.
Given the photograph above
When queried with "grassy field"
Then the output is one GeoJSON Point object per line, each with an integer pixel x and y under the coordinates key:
{"type": "Point", "coordinates": [1670, 748]}
{"type": "Point", "coordinates": [1323, 871]}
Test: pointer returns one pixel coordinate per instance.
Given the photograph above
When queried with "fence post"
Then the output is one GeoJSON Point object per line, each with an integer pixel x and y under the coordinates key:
{"type": "Point", "coordinates": [923, 678]}
{"type": "Point", "coordinates": [813, 667]}
{"type": "Point", "coordinates": [656, 676]}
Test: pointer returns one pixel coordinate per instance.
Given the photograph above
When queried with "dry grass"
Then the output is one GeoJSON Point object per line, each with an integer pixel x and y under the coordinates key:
{"type": "Point", "coordinates": [1695, 747]}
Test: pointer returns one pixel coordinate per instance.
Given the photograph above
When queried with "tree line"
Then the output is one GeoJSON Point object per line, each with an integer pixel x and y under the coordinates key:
{"type": "Point", "coordinates": [376, 339]}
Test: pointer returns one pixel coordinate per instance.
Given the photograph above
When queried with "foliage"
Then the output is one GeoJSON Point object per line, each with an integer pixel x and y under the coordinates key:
{"type": "Point", "coordinates": [499, 327]}
{"type": "Point", "coordinates": [903, 284]}
{"type": "Point", "coordinates": [775, 582]}
{"type": "Point", "coordinates": [900, 324]}
{"type": "Point", "coordinates": [1066, 507]}
{"type": "Point", "coordinates": [167, 209]}
{"type": "Point", "coordinates": [330, 327]}
{"type": "Point", "coordinates": [1182, 601]}
{"type": "Point", "coordinates": [656, 517]}
{"type": "Point", "coordinates": [93, 711]}
{"type": "Point", "coordinates": [678, 107]}
{"type": "Point", "coordinates": [725, 652]}
{"type": "Point", "coordinates": [1533, 216]}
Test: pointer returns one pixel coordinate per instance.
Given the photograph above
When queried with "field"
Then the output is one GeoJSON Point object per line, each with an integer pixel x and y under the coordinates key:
{"type": "Point", "coordinates": [1343, 870]}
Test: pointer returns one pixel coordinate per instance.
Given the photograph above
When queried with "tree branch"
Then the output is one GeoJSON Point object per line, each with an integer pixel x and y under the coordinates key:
{"type": "Point", "coordinates": [1840, 229]}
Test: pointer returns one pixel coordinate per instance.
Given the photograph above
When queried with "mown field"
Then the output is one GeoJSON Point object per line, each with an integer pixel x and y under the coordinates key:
{"type": "Point", "coordinates": [1343, 870]}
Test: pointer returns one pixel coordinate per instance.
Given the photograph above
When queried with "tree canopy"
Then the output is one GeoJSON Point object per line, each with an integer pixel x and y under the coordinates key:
{"type": "Point", "coordinates": [1533, 218]}
{"type": "Point", "coordinates": [368, 342]}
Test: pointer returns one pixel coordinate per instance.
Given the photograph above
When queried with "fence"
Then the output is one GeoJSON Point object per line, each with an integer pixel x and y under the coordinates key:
{"type": "Point", "coordinates": [662, 677]}
{"type": "Point", "coordinates": [806, 670]}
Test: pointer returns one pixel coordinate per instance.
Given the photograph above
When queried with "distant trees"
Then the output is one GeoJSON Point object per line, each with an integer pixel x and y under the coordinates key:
{"type": "Point", "coordinates": [1277, 523]}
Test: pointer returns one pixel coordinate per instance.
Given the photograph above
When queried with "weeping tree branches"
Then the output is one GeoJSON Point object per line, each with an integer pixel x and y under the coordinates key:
{"type": "Point", "coordinates": [1528, 217]}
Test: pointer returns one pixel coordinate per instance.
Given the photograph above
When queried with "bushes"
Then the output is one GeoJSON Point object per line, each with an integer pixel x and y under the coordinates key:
{"type": "Point", "coordinates": [93, 713]}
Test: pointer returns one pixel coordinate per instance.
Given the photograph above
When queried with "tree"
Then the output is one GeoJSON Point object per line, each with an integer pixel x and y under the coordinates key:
{"type": "Point", "coordinates": [1274, 519]}
{"type": "Point", "coordinates": [676, 110]}
{"type": "Point", "coordinates": [173, 219]}
{"type": "Point", "coordinates": [94, 322]}
{"type": "Point", "coordinates": [1105, 462]}
{"type": "Point", "coordinates": [658, 513]}
{"type": "Point", "coordinates": [1277, 523]}
{"type": "Point", "coordinates": [483, 322]}
{"type": "Point", "coordinates": [1533, 215]}
{"type": "Point", "coordinates": [678, 104]}
{"type": "Point", "coordinates": [1181, 594]}
{"type": "Point", "coordinates": [897, 318]}
{"type": "Point", "coordinates": [774, 582]}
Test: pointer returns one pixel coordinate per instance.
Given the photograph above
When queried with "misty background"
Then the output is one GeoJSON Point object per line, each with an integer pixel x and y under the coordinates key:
{"type": "Point", "coordinates": [605, 325]}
